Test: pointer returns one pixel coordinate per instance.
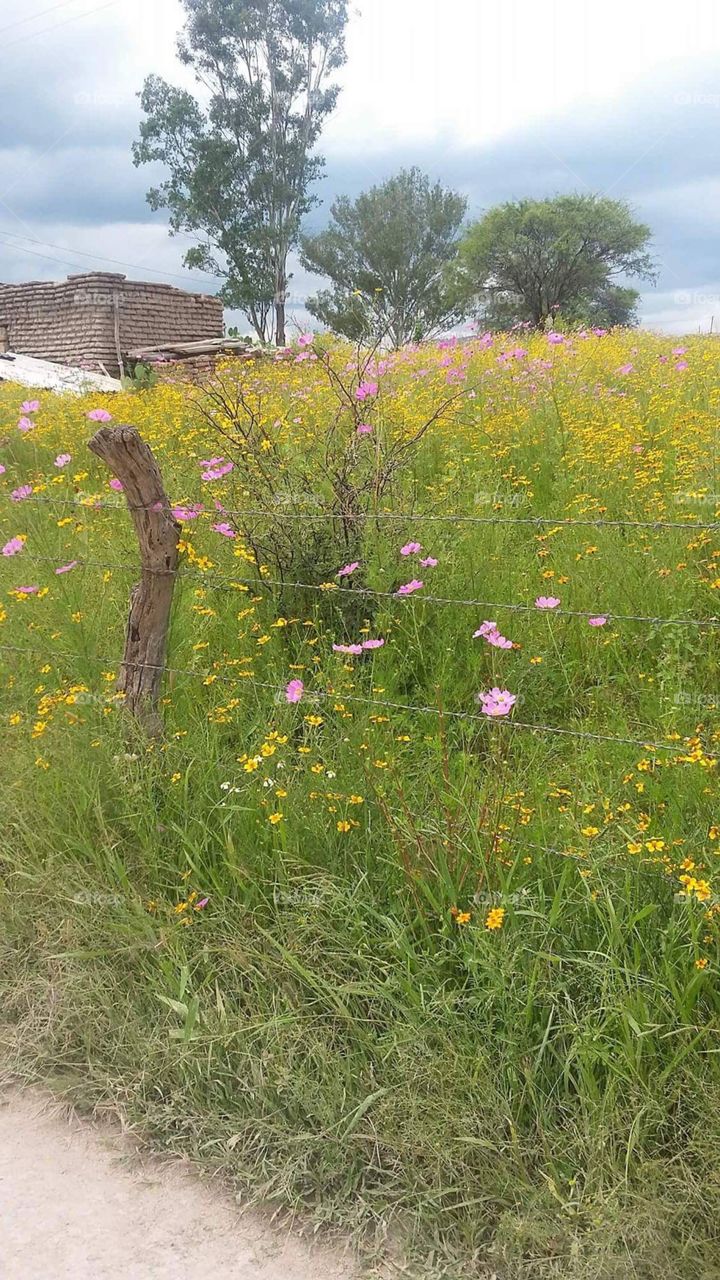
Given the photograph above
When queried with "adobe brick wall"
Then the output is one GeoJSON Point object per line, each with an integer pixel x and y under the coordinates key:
{"type": "Point", "coordinates": [73, 321]}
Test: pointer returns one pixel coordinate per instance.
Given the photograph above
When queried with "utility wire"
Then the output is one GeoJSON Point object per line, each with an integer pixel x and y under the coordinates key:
{"type": "Point", "coordinates": [75, 17]}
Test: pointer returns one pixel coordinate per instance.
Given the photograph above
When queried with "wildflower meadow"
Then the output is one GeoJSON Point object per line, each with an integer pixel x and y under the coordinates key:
{"type": "Point", "coordinates": [409, 918]}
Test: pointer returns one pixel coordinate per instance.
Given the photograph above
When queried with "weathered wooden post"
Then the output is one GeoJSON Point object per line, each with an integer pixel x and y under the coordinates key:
{"type": "Point", "coordinates": [132, 462]}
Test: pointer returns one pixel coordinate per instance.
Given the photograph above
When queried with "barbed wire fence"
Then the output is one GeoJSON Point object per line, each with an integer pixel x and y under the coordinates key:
{"type": "Point", "coordinates": [141, 676]}
{"type": "Point", "coordinates": [156, 525]}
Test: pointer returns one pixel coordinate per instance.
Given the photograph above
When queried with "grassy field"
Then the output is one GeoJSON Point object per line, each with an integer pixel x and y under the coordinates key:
{"type": "Point", "coordinates": [441, 977]}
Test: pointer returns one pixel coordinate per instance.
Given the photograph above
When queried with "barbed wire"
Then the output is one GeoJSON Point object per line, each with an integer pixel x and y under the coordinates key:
{"type": "Point", "coordinates": [212, 677]}
{"type": "Point", "coordinates": [281, 510]}
{"type": "Point", "coordinates": [330, 589]}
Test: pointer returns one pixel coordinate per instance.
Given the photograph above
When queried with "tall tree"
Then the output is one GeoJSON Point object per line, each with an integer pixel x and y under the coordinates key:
{"type": "Point", "coordinates": [386, 256]}
{"type": "Point", "coordinates": [530, 260]}
{"type": "Point", "coordinates": [241, 161]}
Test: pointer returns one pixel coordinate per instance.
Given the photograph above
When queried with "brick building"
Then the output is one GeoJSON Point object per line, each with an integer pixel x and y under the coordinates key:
{"type": "Point", "coordinates": [92, 320]}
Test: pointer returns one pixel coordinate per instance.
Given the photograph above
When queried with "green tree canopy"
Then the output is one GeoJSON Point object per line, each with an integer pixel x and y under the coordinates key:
{"type": "Point", "coordinates": [386, 256]}
{"type": "Point", "coordinates": [529, 260]}
{"type": "Point", "coordinates": [241, 160]}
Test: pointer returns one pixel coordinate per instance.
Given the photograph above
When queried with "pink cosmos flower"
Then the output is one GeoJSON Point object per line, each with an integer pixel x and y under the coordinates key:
{"type": "Point", "coordinates": [305, 339]}
{"type": "Point", "coordinates": [224, 529]}
{"type": "Point", "coordinates": [373, 644]}
{"type": "Point", "coordinates": [186, 513]}
{"type": "Point", "coordinates": [597, 622]}
{"type": "Point", "coordinates": [117, 485]}
{"type": "Point", "coordinates": [295, 691]}
{"type": "Point", "coordinates": [408, 587]}
{"type": "Point", "coordinates": [347, 569]}
{"type": "Point", "coordinates": [679, 351]}
{"type": "Point", "coordinates": [485, 629]}
{"type": "Point", "coordinates": [366, 389]}
{"type": "Point", "coordinates": [65, 568]}
{"type": "Point", "coordinates": [547, 602]}
{"type": "Point", "coordinates": [26, 424]}
{"type": "Point", "coordinates": [489, 631]}
{"type": "Point", "coordinates": [26, 591]}
{"type": "Point", "coordinates": [63, 459]}
{"type": "Point", "coordinates": [24, 491]}
{"type": "Point", "coordinates": [498, 702]}
{"type": "Point", "coordinates": [12, 547]}
{"type": "Point", "coordinates": [29, 406]}
{"type": "Point", "coordinates": [499, 641]}
{"type": "Point", "coordinates": [99, 415]}
{"type": "Point", "coordinates": [348, 648]}
{"type": "Point", "coordinates": [682, 364]}
{"type": "Point", "coordinates": [410, 549]}
{"type": "Point", "coordinates": [599, 333]}
{"type": "Point", "coordinates": [429, 562]}
{"type": "Point", "coordinates": [364, 429]}
{"type": "Point", "coordinates": [2, 469]}
{"type": "Point", "coordinates": [555, 339]}
{"type": "Point", "coordinates": [626, 368]}
{"type": "Point", "coordinates": [202, 903]}
{"type": "Point", "coordinates": [216, 473]}
{"type": "Point", "coordinates": [211, 462]}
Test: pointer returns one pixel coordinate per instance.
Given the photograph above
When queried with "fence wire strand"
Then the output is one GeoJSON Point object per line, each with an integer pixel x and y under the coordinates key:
{"type": "Point", "coordinates": [282, 511]}
{"type": "Point", "coordinates": [330, 589]}
{"type": "Point", "coordinates": [212, 677]}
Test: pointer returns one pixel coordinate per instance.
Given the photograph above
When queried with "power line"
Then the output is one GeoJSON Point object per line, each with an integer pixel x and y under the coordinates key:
{"type": "Point", "coordinates": [32, 17]}
{"type": "Point", "coordinates": [75, 17]}
{"type": "Point", "coordinates": [290, 303]}
{"type": "Point", "coordinates": [98, 256]}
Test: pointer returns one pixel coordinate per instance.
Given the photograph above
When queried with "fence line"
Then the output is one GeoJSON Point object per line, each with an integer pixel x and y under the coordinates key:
{"type": "Point", "coordinates": [213, 677]}
{"type": "Point", "coordinates": [281, 510]}
{"type": "Point", "coordinates": [330, 589]}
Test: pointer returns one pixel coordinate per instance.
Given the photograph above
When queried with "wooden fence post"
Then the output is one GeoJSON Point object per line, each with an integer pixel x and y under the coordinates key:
{"type": "Point", "coordinates": [132, 462]}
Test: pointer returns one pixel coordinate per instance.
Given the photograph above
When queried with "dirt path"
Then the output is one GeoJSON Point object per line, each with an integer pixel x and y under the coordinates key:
{"type": "Point", "coordinates": [78, 1203]}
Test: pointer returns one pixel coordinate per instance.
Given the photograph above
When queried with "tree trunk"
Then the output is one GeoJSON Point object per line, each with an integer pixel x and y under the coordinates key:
{"type": "Point", "coordinates": [280, 321]}
{"type": "Point", "coordinates": [132, 462]}
{"type": "Point", "coordinates": [281, 284]}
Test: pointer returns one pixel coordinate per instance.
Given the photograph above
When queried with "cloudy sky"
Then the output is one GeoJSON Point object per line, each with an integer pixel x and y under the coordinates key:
{"type": "Point", "coordinates": [499, 100]}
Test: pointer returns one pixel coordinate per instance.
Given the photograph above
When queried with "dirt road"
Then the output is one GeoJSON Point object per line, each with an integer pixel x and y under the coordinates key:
{"type": "Point", "coordinates": [78, 1203]}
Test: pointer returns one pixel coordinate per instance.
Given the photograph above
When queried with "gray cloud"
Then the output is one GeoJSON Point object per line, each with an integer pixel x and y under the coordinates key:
{"type": "Point", "coordinates": [65, 141]}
